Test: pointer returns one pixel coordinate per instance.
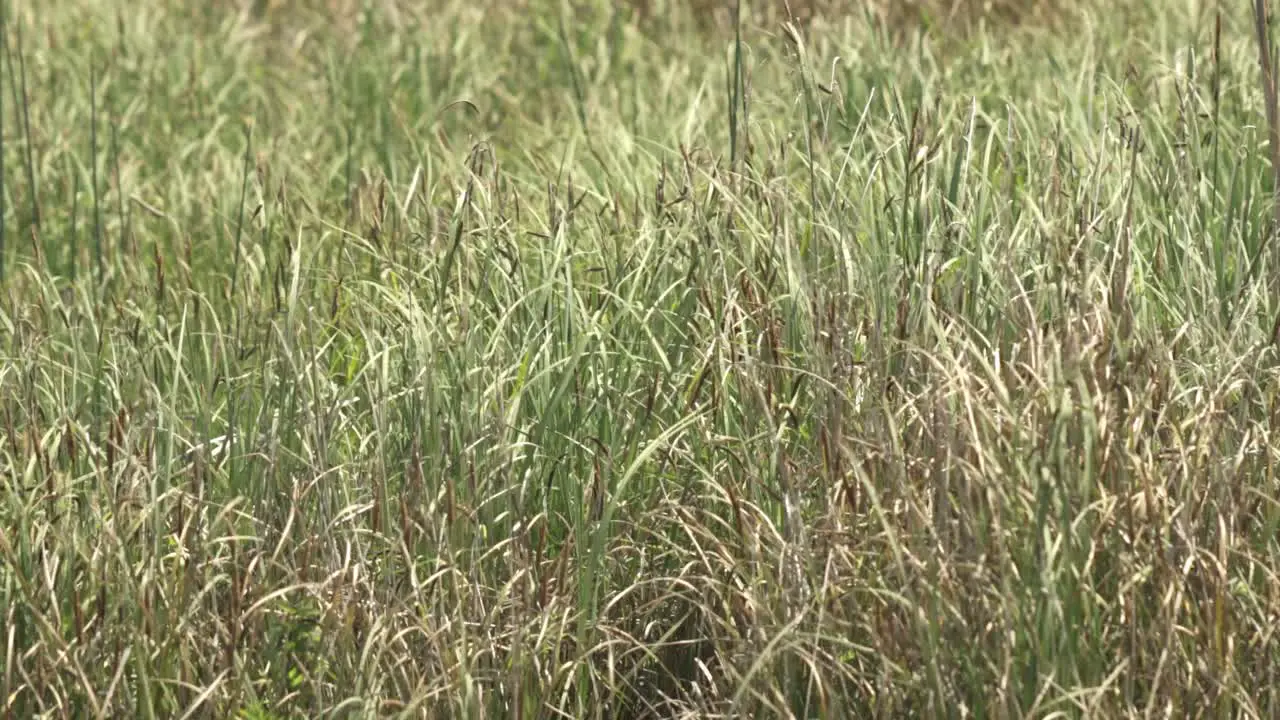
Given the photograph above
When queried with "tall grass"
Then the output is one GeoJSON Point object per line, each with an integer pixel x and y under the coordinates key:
{"type": "Point", "coordinates": [570, 361]}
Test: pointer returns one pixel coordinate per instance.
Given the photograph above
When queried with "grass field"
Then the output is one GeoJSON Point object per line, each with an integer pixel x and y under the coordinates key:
{"type": "Point", "coordinates": [556, 359]}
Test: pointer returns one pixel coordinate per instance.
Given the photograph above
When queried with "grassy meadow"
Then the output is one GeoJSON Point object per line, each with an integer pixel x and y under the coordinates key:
{"type": "Point", "coordinates": [582, 359]}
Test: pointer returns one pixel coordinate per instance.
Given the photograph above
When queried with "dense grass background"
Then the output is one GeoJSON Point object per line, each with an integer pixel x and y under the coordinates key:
{"type": "Point", "coordinates": [577, 360]}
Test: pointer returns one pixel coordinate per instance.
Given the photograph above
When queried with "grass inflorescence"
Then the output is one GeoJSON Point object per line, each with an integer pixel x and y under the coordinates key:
{"type": "Point", "coordinates": [579, 359]}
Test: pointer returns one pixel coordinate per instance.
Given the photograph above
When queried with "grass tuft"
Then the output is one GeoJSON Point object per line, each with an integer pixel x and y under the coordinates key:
{"type": "Point", "coordinates": [604, 361]}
